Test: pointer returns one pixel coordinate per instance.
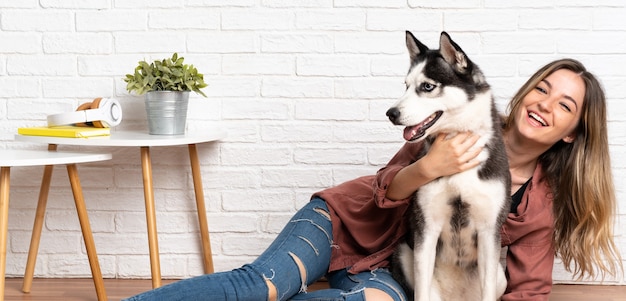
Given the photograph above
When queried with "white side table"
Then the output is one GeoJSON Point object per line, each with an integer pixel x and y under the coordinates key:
{"type": "Point", "coordinates": [145, 141]}
{"type": "Point", "coordinates": [16, 158]}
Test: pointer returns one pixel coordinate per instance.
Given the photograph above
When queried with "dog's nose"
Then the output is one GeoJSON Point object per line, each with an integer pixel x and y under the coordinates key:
{"type": "Point", "coordinates": [393, 114]}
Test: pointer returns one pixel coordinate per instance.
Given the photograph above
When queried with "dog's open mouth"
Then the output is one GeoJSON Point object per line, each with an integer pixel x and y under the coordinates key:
{"type": "Point", "coordinates": [415, 132]}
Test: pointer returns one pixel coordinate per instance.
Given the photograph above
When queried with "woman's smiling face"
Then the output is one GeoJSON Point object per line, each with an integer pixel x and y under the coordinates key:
{"type": "Point", "coordinates": [551, 111]}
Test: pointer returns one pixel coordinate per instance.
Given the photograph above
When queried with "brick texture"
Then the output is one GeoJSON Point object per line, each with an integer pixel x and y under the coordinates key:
{"type": "Point", "coordinates": [301, 87]}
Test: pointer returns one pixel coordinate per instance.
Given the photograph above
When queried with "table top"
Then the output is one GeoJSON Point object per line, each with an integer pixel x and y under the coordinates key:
{"type": "Point", "coordinates": [15, 157]}
{"type": "Point", "coordinates": [131, 138]}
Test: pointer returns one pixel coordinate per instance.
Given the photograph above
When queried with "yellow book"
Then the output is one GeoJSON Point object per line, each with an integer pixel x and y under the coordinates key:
{"type": "Point", "coordinates": [65, 131]}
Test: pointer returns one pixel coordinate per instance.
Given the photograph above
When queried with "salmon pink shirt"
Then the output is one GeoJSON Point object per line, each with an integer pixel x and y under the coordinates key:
{"type": "Point", "coordinates": [367, 227]}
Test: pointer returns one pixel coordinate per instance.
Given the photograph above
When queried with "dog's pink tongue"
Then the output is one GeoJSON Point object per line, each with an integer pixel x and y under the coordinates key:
{"type": "Point", "coordinates": [410, 132]}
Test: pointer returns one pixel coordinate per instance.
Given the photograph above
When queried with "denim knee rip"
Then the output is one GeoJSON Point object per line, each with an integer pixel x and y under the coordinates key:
{"type": "Point", "coordinates": [297, 261]}
{"type": "Point", "coordinates": [361, 290]}
{"type": "Point", "coordinates": [323, 213]}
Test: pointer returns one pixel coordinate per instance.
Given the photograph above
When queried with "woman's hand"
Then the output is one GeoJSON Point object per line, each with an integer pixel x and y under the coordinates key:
{"type": "Point", "coordinates": [447, 156]}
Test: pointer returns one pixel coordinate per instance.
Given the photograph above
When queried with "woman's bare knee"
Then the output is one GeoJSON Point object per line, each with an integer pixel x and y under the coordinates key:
{"type": "Point", "coordinates": [272, 293]}
{"type": "Point", "coordinates": [376, 295]}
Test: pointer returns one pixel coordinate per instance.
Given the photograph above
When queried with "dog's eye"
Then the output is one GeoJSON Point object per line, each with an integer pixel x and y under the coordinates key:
{"type": "Point", "coordinates": [427, 87]}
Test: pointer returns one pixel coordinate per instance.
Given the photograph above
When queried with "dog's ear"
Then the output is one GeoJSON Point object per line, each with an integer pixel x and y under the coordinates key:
{"type": "Point", "coordinates": [414, 46]}
{"type": "Point", "coordinates": [452, 53]}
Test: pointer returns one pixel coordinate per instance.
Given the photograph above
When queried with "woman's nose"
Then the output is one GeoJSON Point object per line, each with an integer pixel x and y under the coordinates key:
{"type": "Point", "coordinates": [546, 104]}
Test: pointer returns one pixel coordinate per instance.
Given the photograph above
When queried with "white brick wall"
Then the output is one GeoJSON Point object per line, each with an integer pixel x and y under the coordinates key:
{"type": "Point", "coordinates": [301, 87]}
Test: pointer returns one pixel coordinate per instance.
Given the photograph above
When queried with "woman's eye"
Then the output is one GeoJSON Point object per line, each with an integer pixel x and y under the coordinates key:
{"type": "Point", "coordinates": [566, 107]}
{"type": "Point", "coordinates": [541, 90]}
{"type": "Point", "coordinates": [427, 87]}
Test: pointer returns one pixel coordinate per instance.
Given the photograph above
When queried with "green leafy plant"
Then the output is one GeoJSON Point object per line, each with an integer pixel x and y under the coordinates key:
{"type": "Point", "coordinates": [166, 75]}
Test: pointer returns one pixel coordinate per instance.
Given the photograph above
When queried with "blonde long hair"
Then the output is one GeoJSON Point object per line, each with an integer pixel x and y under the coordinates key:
{"type": "Point", "coordinates": [579, 175]}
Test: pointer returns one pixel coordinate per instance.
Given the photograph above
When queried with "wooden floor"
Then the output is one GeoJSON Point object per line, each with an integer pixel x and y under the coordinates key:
{"type": "Point", "coordinates": [83, 290]}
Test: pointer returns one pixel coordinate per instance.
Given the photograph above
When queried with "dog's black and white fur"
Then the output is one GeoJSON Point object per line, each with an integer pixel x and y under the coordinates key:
{"type": "Point", "coordinates": [452, 249]}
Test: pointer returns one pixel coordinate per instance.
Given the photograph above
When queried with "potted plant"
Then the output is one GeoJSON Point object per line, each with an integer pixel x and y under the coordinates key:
{"type": "Point", "coordinates": [166, 84]}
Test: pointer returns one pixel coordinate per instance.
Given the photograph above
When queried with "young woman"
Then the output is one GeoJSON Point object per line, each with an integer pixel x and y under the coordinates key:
{"type": "Point", "coordinates": [556, 138]}
{"type": "Point", "coordinates": [564, 205]}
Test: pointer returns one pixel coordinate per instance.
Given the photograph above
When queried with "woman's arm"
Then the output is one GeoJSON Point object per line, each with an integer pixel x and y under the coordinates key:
{"type": "Point", "coordinates": [446, 156]}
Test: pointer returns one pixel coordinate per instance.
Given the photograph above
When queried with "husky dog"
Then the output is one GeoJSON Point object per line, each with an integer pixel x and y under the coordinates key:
{"type": "Point", "coordinates": [452, 249]}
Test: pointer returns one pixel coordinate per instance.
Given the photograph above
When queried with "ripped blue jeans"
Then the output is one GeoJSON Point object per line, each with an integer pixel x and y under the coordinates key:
{"type": "Point", "coordinates": [299, 256]}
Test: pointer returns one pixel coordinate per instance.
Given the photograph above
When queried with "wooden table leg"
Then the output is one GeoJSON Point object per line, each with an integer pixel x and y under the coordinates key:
{"type": "Point", "coordinates": [90, 245]}
{"type": "Point", "coordinates": [148, 191]}
{"type": "Point", "coordinates": [40, 214]}
{"type": "Point", "coordinates": [202, 219]}
{"type": "Point", "coordinates": [5, 175]}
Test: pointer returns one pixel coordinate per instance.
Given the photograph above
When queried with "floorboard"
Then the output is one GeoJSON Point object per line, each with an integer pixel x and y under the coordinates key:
{"type": "Point", "coordinates": [117, 289]}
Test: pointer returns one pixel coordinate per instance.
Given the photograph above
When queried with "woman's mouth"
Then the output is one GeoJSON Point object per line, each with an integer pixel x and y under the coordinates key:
{"type": "Point", "coordinates": [537, 119]}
